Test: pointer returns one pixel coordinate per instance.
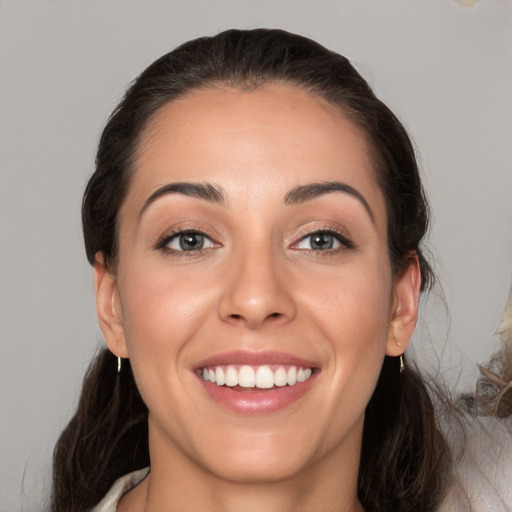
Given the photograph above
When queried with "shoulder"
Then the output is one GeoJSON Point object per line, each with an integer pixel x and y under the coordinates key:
{"type": "Point", "coordinates": [120, 487]}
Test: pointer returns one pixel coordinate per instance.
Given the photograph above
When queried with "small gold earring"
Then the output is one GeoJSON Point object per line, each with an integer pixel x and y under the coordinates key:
{"type": "Point", "coordinates": [402, 365]}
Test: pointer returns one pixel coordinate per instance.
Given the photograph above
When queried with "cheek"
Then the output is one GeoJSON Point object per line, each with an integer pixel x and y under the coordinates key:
{"type": "Point", "coordinates": [354, 319]}
{"type": "Point", "coordinates": [353, 307]}
{"type": "Point", "coordinates": [161, 314]}
{"type": "Point", "coordinates": [155, 302]}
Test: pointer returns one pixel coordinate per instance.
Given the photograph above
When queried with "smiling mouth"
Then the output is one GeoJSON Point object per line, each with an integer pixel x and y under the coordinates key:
{"type": "Point", "coordinates": [259, 377]}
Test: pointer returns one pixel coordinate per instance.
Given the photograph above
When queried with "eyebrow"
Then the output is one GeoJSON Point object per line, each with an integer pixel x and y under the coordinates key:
{"type": "Point", "coordinates": [215, 194]}
{"type": "Point", "coordinates": [206, 191]}
{"type": "Point", "coordinates": [303, 193]}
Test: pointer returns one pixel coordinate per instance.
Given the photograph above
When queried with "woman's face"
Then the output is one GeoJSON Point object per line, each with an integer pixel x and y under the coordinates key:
{"type": "Point", "coordinates": [252, 249]}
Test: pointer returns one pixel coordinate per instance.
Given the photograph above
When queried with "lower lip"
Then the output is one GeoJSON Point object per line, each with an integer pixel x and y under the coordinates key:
{"type": "Point", "coordinates": [254, 400]}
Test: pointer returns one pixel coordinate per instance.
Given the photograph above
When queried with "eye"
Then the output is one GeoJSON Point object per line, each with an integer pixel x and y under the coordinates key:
{"type": "Point", "coordinates": [323, 241]}
{"type": "Point", "coordinates": [186, 241]}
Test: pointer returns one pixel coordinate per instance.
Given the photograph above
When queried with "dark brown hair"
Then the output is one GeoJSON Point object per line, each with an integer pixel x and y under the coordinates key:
{"type": "Point", "coordinates": [404, 457]}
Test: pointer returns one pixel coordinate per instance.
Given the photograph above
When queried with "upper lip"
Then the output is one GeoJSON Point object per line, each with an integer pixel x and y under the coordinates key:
{"type": "Point", "coordinates": [240, 357]}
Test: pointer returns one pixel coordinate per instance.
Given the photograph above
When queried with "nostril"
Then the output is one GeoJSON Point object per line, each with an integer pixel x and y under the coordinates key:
{"type": "Point", "coordinates": [236, 316]}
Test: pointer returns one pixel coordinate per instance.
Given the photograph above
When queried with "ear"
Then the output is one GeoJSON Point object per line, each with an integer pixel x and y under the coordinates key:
{"type": "Point", "coordinates": [108, 308]}
{"type": "Point", "coordinates": [404, 311]}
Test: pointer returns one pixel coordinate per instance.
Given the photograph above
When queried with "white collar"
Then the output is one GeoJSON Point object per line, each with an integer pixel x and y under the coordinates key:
{"type": "Point", "coordinates": [120, 487]}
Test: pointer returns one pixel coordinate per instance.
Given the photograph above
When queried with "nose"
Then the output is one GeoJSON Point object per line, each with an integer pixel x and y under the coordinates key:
{"type": "Point", "coordinates": [256, 291]}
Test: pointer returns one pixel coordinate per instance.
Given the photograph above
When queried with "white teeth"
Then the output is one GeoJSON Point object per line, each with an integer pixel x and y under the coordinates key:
{"type": "Point", "coordinates": [231, 376]}
{"type": "Point", "coordinates": [280, 377]}
{"type": "Point", "coordinates": [246, 377]}
{"type": "Point", "coordinates": [292, 376]}
{"type": "Point", "coordinates": [262, 377]}
{"type": "Point", "coordinates": [219, 376]}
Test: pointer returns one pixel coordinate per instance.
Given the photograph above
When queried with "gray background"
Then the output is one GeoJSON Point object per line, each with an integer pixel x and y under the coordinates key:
{"type": "Point", "coordinates": [444, 69]}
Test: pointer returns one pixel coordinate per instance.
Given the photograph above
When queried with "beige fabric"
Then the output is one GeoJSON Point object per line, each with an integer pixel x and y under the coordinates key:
{"type": "Point", "coordinates": [483, 477]}
{"type": "Point", "coordinates": [120, 487]}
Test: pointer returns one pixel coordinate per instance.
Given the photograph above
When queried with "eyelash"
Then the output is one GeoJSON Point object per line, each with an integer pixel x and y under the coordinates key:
{"type": "Point", "coordinates": [167, 239]}
{"type": "Point", "coordinates": [346, 243]}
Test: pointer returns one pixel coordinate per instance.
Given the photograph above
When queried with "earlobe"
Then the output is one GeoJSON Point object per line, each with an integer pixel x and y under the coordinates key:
{"type": "Point", "coordinates": [405, 308]}
{"type": "Point", "coordinates": [108, 308]}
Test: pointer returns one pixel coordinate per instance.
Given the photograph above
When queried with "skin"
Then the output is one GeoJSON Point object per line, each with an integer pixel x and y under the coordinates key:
{"type": "Point", "coordinates": [258, 285]}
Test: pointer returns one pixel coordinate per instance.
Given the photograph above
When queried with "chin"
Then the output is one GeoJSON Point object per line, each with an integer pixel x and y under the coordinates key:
{"type": "Point", "coordinates": [259, 468]}
{"type": "Point", "coordinates": [264, 457]}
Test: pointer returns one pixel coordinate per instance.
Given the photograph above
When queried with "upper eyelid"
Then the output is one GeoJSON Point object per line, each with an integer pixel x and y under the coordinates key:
{"type": "Point", "coordinates": [192, 227]}
{"type": "Point", "coordinates": [345, 236]}
{"type": "Point", "coordinates": [326, 229]}
{"type": "Point", "coordinates": [164, 239]}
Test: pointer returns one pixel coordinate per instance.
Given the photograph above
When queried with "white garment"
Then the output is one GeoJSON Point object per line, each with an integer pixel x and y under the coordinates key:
{"type": "Point", "coordinates": [120, 487]}
{"type": "Point", "coordinates": [483, 473]}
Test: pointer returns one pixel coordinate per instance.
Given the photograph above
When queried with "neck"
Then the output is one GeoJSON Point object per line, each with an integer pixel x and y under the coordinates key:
{"type": "Point", "coordinates": [154, 495]}
{"type": "Point", "coordinates": [177, 483]}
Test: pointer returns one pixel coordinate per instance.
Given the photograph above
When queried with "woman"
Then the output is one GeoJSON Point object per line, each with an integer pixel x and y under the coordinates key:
{"type": "Point", "coordinates": [255, 223]}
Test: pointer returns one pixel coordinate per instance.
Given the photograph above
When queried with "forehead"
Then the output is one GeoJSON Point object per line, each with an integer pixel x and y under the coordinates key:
{"type": "Point", "coordinates": [275, 112]}
{"type": "Point", "coordinates": [278, 135]}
